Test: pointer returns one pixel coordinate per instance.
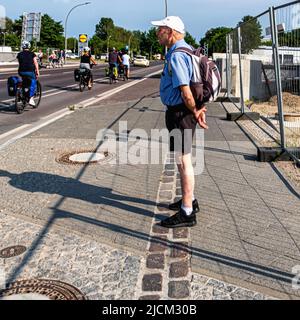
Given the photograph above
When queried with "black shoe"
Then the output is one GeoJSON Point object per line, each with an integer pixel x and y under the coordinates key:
{"type": "Point", "coordinates": [177, 205]}
{"type": "Point", "coordinates": [179, 219]}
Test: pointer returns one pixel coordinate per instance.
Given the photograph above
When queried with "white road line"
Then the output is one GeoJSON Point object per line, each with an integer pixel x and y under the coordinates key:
{"type": "Point", "coordinates": [109, 93]}
{"type": "Point", "coordinates": [61, 113]}
{"type": "Point", "coordinates": [61, 90]}
{"type": "Point", "coordinates": [36, 126]}
{"type": "Point", "coordinates": [13, 131]}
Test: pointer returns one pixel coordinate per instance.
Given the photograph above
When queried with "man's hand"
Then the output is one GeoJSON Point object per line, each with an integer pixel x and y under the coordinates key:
{"type": "Point", "coordinates": [201, 117]}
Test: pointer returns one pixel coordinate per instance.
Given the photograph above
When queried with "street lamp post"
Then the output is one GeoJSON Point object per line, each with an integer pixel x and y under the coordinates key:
{"type": "Point", "coordinates": [166, 14]}
{"type": "Point", "coordinates": [166, 8]}
{"type": "Point", "coordinates": [108, 44]}
{"type": "Point", "coordinates": [129, 43]}
{"type": "Point", "coordinates": [81, 4]}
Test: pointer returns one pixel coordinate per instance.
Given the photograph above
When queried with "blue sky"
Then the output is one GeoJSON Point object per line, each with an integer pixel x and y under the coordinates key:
{"type": "Point", "coordinates": [198, 15]}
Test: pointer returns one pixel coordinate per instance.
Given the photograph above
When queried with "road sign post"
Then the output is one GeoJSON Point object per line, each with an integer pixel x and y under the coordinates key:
{"type": "Point", "coordinates": [83, 41]}
{"type": "Point", "coordinates": [31, 28]}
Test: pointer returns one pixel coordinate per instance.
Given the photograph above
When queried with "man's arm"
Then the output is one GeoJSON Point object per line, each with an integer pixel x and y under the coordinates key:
{"type": "Point", "coordinates": [189, 102]}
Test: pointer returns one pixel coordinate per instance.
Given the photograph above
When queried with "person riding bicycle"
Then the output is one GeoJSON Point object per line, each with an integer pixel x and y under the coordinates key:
{"type": "Point", "coordinates": [86, 60]}
{"type": "Point", "coordinates": [28, 65]}
{"type": "Point", "coordinates": [113, 60]}
{"type": "Point", "coordinates": [126, 63]}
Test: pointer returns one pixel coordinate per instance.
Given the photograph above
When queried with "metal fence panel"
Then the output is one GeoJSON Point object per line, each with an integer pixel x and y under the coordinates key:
{"type": "Point", "coordinates": [288, 26]}
{"type": "Point", "coordinates": [269, 71]}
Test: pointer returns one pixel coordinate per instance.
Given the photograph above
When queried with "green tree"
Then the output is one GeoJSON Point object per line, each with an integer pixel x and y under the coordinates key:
{"type": "Point", "coordinates": [12, 40]}
{"type": "Point", "coordinates": [190, 40]}
{"type": "Point", "coordinates": [13, 30]}
{"type": "Point", "coordinates": [51, 33]}
{"type": "Point", "coordinates": [105, 28]}
{"type": "Point", "coordinates": [251, 33]}
{"type": "Point", "coordinates": [215, 39]}
{"type": "Point", "coordinates": [149, 44]}
{"type": "Point", "coordinates": [17, 27]}
{"type": "Point", "coordinates": [290, 38]}
{"type": "Point", "coordinates": [97, 45]}
{"type": "Point", "coordinates": [72, 44]}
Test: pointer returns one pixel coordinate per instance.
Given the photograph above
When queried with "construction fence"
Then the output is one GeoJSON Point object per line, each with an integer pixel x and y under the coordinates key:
{"type": "Point", "coordinates": [263, 71]}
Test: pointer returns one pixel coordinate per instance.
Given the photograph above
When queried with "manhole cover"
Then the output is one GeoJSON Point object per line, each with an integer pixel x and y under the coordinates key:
{"type": "Point", "coordinates": [85, 157]}
{"type": "Point", "coordinates": [41, 289]}
{"type": "Point", "coordinates": [12, 251]}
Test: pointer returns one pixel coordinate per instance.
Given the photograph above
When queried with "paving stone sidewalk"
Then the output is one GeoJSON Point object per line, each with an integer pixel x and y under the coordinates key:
{"type": "Point", "coordinates": [95, 227]}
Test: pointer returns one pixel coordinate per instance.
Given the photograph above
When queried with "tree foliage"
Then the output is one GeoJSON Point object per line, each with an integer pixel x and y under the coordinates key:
{"type": "Point", "coordinates": [51, 33]}
{"type": "Point", "coordinates": [107, 34]}
{"type": "Point", "coordinates": [104, 28]}
{"type": "Point", "coordinates": [215, 39]}
{"type": "Point", "coordinates": [251, 33]}
{"type": "Point", "coordinates": [290, 38]}
{"type": "Point", "coordinates": [190, 40]}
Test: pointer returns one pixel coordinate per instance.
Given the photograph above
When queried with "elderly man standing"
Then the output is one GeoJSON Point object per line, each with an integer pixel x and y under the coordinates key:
{"type": "Point", "coordinates": [181, 114]}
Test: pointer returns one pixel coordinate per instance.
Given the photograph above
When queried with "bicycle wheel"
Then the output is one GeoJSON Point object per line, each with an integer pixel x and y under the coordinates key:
{"type": "Point", "coordinates": [19, 103]}
{"type": "Point", "coordinates": [81, 84]}
{"type": "Point", "coordinates": [38, 95]}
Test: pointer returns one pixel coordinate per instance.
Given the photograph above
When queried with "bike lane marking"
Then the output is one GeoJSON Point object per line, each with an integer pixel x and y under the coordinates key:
{"type": "Point", "coordinates": [61, 113]}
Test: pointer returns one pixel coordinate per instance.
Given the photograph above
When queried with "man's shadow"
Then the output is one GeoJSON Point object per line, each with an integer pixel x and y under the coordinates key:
{"type": "Point", "coordinates": [72, 188]}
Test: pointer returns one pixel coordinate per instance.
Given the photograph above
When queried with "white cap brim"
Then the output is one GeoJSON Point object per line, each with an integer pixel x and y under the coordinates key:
{"type": "Point", "coordinates": [158, 23]}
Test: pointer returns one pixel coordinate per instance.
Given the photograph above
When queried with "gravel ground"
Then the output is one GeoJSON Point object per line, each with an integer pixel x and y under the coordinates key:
{"type": "Point", "coordinates": [291, 171]}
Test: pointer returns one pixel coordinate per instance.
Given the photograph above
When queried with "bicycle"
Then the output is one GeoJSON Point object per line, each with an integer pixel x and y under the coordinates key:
{"type": "Point", "coordinates": [123, 72]}
{"type": "Point", "coordinates": [22, 95]}
{"type": "Point", "coordinates": [113, 75]}
{"type": "Point", "coordinates": [84, 77]}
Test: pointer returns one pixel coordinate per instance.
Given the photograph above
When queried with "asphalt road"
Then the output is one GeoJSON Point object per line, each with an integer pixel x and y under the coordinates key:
{"type": "Point", "coordinates": [59, 91]}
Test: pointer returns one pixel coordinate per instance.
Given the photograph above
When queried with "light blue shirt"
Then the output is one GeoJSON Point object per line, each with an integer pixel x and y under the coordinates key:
{"type": "Point", "coordinates": [181, 74]}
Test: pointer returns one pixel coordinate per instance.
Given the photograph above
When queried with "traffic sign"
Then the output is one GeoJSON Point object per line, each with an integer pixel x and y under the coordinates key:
{"type": "Point", "coordinates": [83, 38]}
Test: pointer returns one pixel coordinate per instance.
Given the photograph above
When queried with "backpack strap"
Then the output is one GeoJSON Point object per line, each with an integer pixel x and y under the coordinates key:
{"type": "Point", "coordinates": [184, 49]}
{"type": "Point", "coordinates": [180, 49]}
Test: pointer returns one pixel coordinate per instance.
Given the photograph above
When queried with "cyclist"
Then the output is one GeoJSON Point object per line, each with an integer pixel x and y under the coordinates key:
{"type": "Point", "coordinates": [28, 65]}
{"type": "Point", "coordinates": [86, 60]}
{"type": "Point", "coordinates": [120, 65]}
{"type": "Point", "coordinates": [126, 63]}
{"type": "Point", "coordinates": [113, 60]}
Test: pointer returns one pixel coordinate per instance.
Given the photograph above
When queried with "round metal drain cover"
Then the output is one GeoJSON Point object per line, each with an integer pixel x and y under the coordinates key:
{"type": "Point", "coordinates": [85, 157]}
{"type": "Point", "coordinates": [12, 251]}
{"type": "Point", "coordinates": [41, 289]}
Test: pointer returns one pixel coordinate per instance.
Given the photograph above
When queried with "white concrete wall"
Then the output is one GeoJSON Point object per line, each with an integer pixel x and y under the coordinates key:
{"type": "Point", "coordinates": [8, 56]}
{"type": "Point", "coordinates": [254, 85]}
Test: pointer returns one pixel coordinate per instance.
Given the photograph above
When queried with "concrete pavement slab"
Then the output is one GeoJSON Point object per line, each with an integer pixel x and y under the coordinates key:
{"type": "Point", "coordinates": [95, 226]}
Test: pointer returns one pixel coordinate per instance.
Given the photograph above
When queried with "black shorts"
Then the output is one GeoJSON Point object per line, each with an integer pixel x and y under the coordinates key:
{"type": "Point", "coordinates": [181, 124]}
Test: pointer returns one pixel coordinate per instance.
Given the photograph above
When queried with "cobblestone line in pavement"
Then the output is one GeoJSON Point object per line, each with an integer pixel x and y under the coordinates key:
{"type": "Point", "coordinates": [166, 270]}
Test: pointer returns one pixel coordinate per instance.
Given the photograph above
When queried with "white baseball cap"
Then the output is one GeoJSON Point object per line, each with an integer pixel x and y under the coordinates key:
{"type": "Point", "coordinates": [172, 22]}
